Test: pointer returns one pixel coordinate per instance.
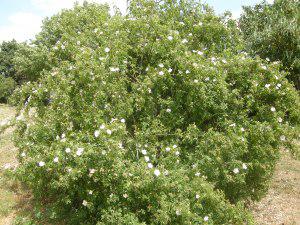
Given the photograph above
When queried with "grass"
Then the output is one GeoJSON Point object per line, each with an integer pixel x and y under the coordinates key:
{"type": "Point", "coordinates": [282, 203]}
{"type": "Point", "coordinates": [7, 155]}
{"type": "Point", "coordinates": [280, 206]}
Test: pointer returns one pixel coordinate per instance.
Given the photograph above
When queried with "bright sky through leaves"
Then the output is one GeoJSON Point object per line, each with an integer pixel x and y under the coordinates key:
{"type": "Point", "coordinates": [21, 19]}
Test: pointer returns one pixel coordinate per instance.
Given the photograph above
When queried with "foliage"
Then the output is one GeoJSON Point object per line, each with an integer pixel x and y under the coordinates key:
{"type": "Point", "coordinates": [151, 118]}
{"type": "Point", "coordinates": [7, 70]}
{"type": "Point", "coordinates": [272, 31]}
{"type": "Point", "coordinates": [7, 51]}
{"type": "Point", "coordinates": [7, 86]}
{"type": "Point", "coordinates": [29, 61]}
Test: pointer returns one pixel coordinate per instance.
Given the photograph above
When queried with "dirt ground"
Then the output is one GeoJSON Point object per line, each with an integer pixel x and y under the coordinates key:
{"type": "Point", "coordinates": [282, 203]}
{"type": "Point", "coordinates": [7, 156]}
{"type": "Point", "coordinates": [281, 206]}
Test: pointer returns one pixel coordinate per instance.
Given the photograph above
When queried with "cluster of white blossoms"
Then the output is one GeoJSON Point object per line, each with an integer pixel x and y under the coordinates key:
{"type": "Point", "coordinates": [237, 170]}
{"type": "Point", "coordinates": [184, 41]}
{"type": "Point", "coordinates": [108, 131]}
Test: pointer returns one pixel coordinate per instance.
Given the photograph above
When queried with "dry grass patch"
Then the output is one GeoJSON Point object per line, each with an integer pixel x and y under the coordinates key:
{"type": "Point", "coordinates": [282, 203]}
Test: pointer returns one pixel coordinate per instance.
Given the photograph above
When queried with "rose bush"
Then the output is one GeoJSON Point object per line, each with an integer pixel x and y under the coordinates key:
{"type": "Point", "coordinates": [156, 117]}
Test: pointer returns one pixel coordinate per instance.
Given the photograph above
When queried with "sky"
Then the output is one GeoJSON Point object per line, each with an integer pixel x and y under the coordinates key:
{"type": "Point", "coordinates": [22, 19]}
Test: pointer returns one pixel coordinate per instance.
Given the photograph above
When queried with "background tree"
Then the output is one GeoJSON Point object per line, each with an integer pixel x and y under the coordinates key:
{"type": "Point", "coordinates": [7, 69]}
{"type": "Point", "coordinates": [7, 53]}
{"type": "Point", "coordinates": [272, 31]}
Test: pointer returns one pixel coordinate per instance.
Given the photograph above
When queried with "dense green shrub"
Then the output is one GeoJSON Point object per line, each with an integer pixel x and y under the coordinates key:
{"type": "Point", "coordinates": [29, 61]}
{"type": "Point", "coordinates": [272, 31]}
{"type": "Point", "coordinates": [7, 52]}
{"type": "Point", "coordinates": [7, 86]}
{"type": "Point", "coordinates": [151, 118]}
{"type": "Point", "coordinates": [7, 70]}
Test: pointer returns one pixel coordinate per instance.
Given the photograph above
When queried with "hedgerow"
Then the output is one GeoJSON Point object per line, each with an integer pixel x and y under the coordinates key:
{"type": "Point", "coordinates": [156, 117]}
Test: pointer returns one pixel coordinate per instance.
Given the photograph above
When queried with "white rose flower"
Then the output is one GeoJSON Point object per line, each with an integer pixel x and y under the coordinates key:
{"type": "Point", "coordinates": [79, 151]}
{"type": "Point", "coordinates": [236, 170]}
{"type": "Point", "coordinates": [97, 133]}
{"type": "Point", "coordinates": [92, 171]}
{"type": "Point", "coordinates": [107, 50]}
{"type": "Point", "coordinates": [68, 150]}
{"type": "Point", "coordinates": [109, 132]}
{"type": "Point", "coordinates": [55, 159]}
{"type": "Point", "coordinates": [161, 73]}
{"type": "Point", "coordinates": [144, 152]}
{"type": "Point", "coordinates": [178, 213]}
{"type": "Point", "coordinates": [147, 158]}
{"type": "Point", "coordinates": [156, 172]}
{"type": "Point", "coordinates": [282, 138]}
{"type": "Point", "coordinates": [184, 41]}
{"type": "Point", "coordinates": [41, 164]}
{"type": "Point", "coordinates": [150, 166]}
{"type": "Point", "coordinates": [85, 203]}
